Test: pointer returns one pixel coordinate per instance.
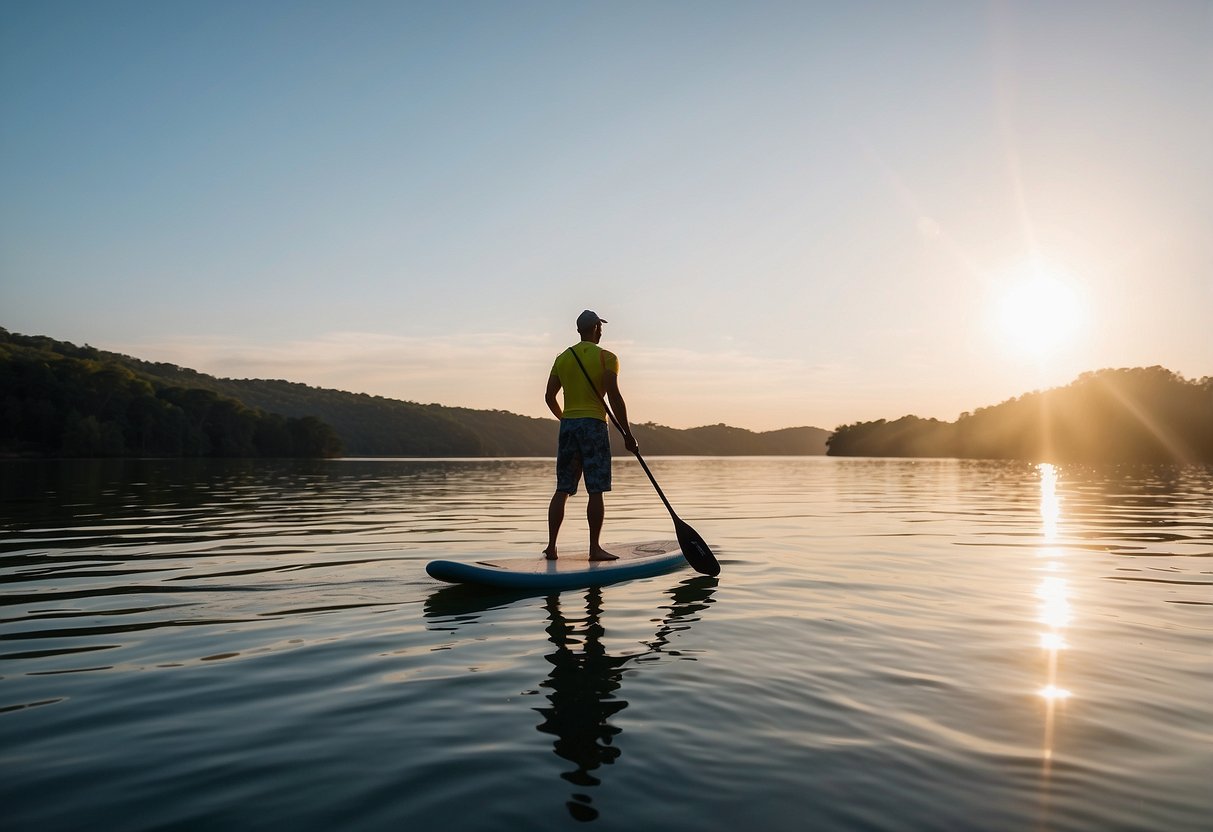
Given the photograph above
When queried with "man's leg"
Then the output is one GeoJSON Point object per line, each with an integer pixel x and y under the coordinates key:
{"type": "Point", "coordinates": [595, 511]}
{"type": "Point", "coordinates": [596, 460]}
{"type": "Point", "coordinates": [568, 472]}
{"type": "Point", "coordinates": [555, 518]}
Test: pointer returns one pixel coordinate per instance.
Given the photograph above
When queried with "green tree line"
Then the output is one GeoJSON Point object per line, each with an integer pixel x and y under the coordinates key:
{"type": "Point", "coordinates": [1140, 415]}
{"type": "Point", "coordinates": [364, 425]}
{"type": "Point", "coordinates": [377, 426]}
{"type": "Point", "coordinates": [61, 400]}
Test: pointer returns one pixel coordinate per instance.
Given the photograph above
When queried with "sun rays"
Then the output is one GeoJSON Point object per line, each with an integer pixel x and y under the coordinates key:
{"type": "Point", "coordinates": [1037, 311]}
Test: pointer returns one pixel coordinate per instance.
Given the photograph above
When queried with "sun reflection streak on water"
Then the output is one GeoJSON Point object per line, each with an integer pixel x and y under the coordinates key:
{"type": "Point", "coordinates": [1050, 504]}
{"type": "Point", "coordinates": [891, 644]}
{"type": "Point", "coordinates": [1054, 612]}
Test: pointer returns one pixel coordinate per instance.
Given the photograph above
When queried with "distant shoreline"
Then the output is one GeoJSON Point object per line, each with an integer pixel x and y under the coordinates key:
{"type": "Point", "coordinates": [65, 401]}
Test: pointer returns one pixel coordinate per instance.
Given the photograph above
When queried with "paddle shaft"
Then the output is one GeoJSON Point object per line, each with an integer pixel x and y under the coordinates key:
{"type": "Point", "coordinates": [694, 548]}
{"type": "Point", "coordinates": [624, 434]}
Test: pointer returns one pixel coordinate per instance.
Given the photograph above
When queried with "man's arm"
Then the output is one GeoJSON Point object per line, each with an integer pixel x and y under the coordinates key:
{"type": "Point", "coordinates": [619, 408]}
{"type": "Point", "coordinates": [550, 396]}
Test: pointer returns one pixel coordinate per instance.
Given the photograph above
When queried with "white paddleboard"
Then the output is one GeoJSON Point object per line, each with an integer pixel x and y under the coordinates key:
{"type": "Point", "coordinates": [571, 570]}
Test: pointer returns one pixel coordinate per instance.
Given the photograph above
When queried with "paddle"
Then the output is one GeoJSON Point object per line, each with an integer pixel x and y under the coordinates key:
{"type": "Point", "coordinates": [694, 548]}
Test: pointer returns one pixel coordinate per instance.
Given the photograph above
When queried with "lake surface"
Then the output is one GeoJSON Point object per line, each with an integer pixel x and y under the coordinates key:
{"type": "Point", "coordinates": [892, 644]}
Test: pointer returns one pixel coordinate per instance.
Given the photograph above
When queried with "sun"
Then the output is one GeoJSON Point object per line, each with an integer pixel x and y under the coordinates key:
{"type": "Point", "coordinates": [1037, 311]}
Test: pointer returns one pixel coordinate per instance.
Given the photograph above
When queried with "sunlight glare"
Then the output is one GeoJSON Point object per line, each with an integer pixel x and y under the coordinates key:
{"type": "Point", "coordinates": [1052, 693]}
{"type": "Point", "coordinates": [1050, 503]}
{"type": "Point", "coordinates": [1055, 612]}
{"type": "Point", "coordinates": [1052, 641]}
{"type": "Point", "coordinates": [1038, 312]}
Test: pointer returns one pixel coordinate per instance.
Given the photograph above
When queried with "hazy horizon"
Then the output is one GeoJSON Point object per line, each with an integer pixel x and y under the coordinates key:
{"type": "Point", "coordinates": [791, 214]}
{"type": "Point", "coordinates": [890, 416]}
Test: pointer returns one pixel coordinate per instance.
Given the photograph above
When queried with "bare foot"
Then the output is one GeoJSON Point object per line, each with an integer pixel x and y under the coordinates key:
{"type": "Point", "coordinates": [602, 554]}
{"type": "Point", "coordinates": [550, 553]}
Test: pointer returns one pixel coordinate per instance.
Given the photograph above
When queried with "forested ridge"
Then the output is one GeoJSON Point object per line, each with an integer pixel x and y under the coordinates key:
{"type": "Point", "coordinates": [42, 376]}
{"type": "Point", "coordinates": [57, 399]}
{"type": "Point", "coordinates": [378, 426]}
{"type": "Point", "coordinates": [1138, 415]}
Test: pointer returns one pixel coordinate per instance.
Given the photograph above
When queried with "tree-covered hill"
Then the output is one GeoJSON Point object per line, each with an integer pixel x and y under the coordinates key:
{"type": "Point", "coordinates": [377, 426]}
{"type": "Point", "coordinates": [367, 425]}
{"type": "Point", "coordinates": [1126, 415]}
{"type": "Point", "coordinates": [57, 399]}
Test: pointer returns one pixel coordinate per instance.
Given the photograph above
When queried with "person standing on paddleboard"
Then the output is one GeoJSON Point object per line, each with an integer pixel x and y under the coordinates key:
{"type": "Point", "coordinates": [583, 372]}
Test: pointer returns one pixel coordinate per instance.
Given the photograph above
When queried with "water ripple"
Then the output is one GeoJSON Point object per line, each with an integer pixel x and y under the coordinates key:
{"type": "Point", "coordinates": [892, 644]}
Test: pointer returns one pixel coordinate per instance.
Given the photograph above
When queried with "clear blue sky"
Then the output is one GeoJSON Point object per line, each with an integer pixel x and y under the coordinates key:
{"type": "Point", "coordinates": [790, 213]}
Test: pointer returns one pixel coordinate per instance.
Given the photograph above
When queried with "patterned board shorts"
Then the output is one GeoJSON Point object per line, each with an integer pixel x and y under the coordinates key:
{"type": "Point", "coordinates": [584, 447]}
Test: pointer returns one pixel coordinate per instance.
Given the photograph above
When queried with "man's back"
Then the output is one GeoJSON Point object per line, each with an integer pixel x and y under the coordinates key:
{"type": "Point", "coordinates": [580, 402]}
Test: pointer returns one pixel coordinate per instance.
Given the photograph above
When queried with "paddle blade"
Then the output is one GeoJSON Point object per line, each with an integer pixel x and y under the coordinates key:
{"type": "Point", "coordinates": [695, 549]}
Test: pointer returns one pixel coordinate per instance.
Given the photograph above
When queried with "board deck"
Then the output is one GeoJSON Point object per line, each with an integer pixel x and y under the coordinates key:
{"type": "Point", "coordinates": [571, 570]}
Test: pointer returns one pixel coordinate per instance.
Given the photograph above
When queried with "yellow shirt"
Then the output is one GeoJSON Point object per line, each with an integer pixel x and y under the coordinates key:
{"type": "Point", "coordinates": [580, 402]}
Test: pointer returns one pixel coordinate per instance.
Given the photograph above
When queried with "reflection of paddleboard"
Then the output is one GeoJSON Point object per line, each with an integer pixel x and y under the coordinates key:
{"type": "Point", "coordinates": [571, 571]}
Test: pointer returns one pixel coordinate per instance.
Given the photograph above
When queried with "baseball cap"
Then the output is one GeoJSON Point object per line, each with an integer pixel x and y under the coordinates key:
{"type": "Point", "coordinates": [587, 319]}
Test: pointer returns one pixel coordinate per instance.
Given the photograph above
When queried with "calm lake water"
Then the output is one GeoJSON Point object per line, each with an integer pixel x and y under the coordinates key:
{"type": "Point", "coordinates": [893, 644]}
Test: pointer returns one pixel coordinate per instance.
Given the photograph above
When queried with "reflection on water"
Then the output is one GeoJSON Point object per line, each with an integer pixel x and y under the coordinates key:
{"type": "Point", "coordinates": [584, 681]}
{"type": "Point", "coordinates": [893, 644]}
{"type": "Point", "coordinates": [1055, 613]}
{"type": "Point", "coordinates": [581, 689]}
{"type": "Point", "coordinates": [583, 685]}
